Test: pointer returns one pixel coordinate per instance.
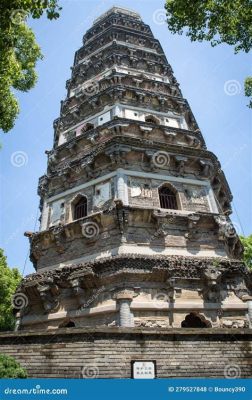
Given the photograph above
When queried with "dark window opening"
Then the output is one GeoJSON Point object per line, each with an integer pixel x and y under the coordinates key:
{"type": "Point", "coordinates": [80, 208]}
{"type": "Point", "coordinates": [87, 127]}
{"type": "Point", "coordinates": [193, 321]}
{"type": "Point", "coordinates": [67, 324]}
{"type": "Point", "coordinates": [167, 198]}
{"type": "Point", "coordinates": [70, 324]}
{"type": "Point", "coordinates": [151, 120]}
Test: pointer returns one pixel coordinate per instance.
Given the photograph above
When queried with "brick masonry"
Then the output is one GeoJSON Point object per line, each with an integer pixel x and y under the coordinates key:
{"type": "Point", "coordinates": [108, 352]}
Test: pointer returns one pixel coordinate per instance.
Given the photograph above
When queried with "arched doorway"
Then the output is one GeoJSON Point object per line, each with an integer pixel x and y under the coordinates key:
{"type": "Point", "coordinates": [194, 320]}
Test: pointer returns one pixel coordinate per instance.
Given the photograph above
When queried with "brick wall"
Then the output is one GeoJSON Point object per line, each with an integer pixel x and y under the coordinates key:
{"type": "Point", "coordinates": [107, 352]}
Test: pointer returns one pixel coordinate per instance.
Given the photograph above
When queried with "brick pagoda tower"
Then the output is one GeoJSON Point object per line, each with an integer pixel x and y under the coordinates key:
{"type": "Point", "coordinates": [135, 228]}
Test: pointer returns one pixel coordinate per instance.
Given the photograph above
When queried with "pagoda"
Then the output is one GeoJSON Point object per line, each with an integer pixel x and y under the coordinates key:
{"type": "Point", "coordinates": [135, 226]}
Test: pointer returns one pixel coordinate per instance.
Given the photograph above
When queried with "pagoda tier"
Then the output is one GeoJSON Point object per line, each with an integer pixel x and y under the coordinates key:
{"type": "Point", "coordinates": [135, 227]}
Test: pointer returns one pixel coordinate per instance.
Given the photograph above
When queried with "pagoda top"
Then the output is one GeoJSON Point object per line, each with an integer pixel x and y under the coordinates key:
{"type": "Point", "coordinates": [121, 10]}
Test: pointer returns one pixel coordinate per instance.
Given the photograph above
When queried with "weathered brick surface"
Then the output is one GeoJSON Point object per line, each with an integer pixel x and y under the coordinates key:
{"type": "Point", "coordinates": [107, 352]}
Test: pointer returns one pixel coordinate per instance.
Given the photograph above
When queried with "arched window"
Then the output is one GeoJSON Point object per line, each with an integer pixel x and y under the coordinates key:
{"type": "Point", "coordinates": [195, 321]}
{"type": "Point", "coordinates": [87, 127]}
{"type": "Point", "coordinates": [167, 198]}
{"type": "Point", "coordinates": [151, 119]}
{"type": "Point", "coordinates": [80, 208]}
{"type": "Point", "coordinates": [67, 324]}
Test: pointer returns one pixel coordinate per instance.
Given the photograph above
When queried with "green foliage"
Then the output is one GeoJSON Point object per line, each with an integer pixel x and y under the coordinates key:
{"type": "Point", "coordinates": [19, 52]}
{"type": "Point", "coordinates": [216, 263]}
{"type": "Point", "coordinates": [217, 21]}
{"type": "Point", "coordinates": [247, 256]}
{"type": "Point", "coordinates": [9, 280]}
{"type": "Point", "coordinates": [248, 89]}
{"type": "Point", "coordinates": [10, 368]}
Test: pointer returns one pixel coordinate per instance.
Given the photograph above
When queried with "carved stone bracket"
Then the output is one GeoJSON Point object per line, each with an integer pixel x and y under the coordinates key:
{"type": "Point", "coordinates": [48, 292]}
{"type": "Point", "coordinates": [78, 291]}
{"type": "Point", "coordinates": [193, 220]}
{"type": "Point", "coordinates": [171, 135]}
{"type": "Point", "coordinates": [226, 228]}
{"type": "Point", "coordinates": [52, 158]}
{"type": "Point", "coordinates": [240, 289]}
{"type": "Point", "coordinates": [181, 163]}
{"type": "Point", "coordinates": [172, 291]}
{"type": "Point", "coordinates": [58, 235]}
{"type": "Point", "coordinates": [71, 147]}
{"type": "Point", "coordinates": [212, 277]}
{"type": "Point", "coordinates": [43, 185]}
{"type": "Point", "coordinates": [35, 247]}
{"type": "Point", "coordinates": [206, 168]}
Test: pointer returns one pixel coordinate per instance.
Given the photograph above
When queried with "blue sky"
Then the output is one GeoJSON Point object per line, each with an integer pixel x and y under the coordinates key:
{"type": "Point", "coordinates": [210, 78]}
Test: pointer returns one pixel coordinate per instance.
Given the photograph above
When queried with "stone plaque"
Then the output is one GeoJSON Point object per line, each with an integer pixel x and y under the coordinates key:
{"type": "Point", "coordinates": [143, 369]}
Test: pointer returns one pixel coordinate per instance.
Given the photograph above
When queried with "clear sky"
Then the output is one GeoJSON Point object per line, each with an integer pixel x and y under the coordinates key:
{"type": "Point", "coordinates": [210, 78]}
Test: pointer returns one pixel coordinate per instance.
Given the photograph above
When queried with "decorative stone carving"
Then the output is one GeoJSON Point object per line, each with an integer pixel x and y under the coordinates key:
{"type": "Point", "coordinates": [193, 220]}
{"type": "Point", "coordinates": [52, 158]}
{"type": "Point", "coordinates": [236, 323]}
{"type": "Point", "coordinates": [213, 277]}
{"type": "Point", "coordinates": [181, 163]}
{"type": "Point", "coordinates": [43, 185]}
{"type": "Point", "coordinates": [72, 147]}
{"type": "Point", "coordinates": [206, 168]}
{"type": "Point", "coordinates": [135, 189]}
{"type": "Point", "coordinates": [240, 289]}
{"type": "Point", "coordinates": [78, 292]}
{"type": "Point", "coordinates": [58, 234]}
{"type": "Point", "coordinates": [226, 228]}
{"type": "Point", "coordinates": [48, 293]}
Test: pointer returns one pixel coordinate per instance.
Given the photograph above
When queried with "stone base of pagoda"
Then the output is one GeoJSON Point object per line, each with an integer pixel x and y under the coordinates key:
{"type": "Point", "coordinates": [137, 291]}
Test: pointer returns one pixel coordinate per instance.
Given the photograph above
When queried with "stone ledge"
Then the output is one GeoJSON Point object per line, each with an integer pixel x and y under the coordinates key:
{"type": "Point", "coordinates": [131, 331]}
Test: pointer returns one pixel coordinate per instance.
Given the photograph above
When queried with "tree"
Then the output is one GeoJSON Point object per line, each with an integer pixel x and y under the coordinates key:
{"type": "Point", "coordinates": [19, 52]}
{"type": "Point", "coordinates": [10, 368]}
{"type": "Point", "coordinates": [9, 280]}
{"type": "Point", "coordinates": [217, 21]}
{"type": "Point", "coordinates": [247, 256]}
